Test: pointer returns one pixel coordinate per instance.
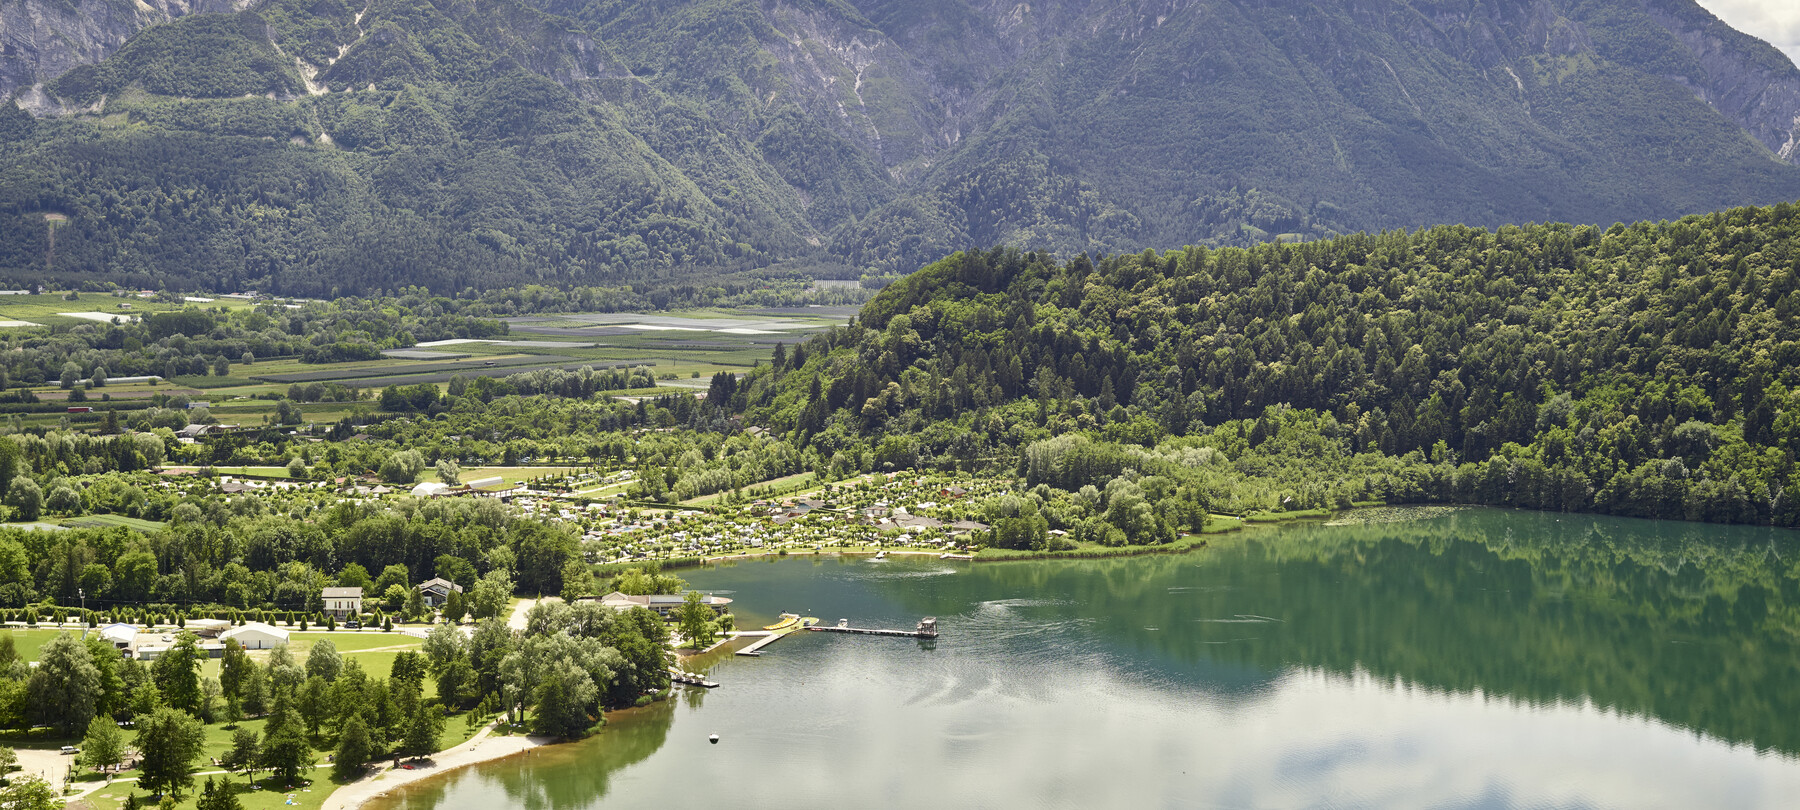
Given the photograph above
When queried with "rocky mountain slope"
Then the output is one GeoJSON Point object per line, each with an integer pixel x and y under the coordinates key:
{"type": "Point", "coordinates": [43, 39]}
{"type": "Point", "coordinates": [306, 146]}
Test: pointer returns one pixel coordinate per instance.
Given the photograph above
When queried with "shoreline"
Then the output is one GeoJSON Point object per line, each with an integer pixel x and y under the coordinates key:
{"type": "Point", "coordinates": [483, 747]}
{"type": "Point", "coordinates": [818, 553]}
{"type": "Point", "coordinates": [1189, 543]}
{"type": "Point", "coordinates": [1123, 551]}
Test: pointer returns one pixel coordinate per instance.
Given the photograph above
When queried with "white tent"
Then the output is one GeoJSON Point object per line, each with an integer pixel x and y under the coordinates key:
{"type": "Point", "coordinates": [430, 489]}
{"type": "Point", "coordinates": [256, 636]}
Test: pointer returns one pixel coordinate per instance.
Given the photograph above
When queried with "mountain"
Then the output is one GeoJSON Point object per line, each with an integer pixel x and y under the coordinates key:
{"type": "Point", "coordinates": [43, 39]}
{"type": "Point", "coordinates": [306, 147]}
{"type": "Point", "coordinates": [1649, 370]}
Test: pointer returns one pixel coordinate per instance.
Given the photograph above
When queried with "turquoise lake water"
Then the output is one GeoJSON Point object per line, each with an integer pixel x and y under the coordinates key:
{"type": "Point", "coordinates": [1396, 658]}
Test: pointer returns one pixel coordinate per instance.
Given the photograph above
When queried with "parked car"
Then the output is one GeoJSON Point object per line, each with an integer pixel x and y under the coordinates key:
{"type": "Point", "coordinates": [352, 624]}
{"type": "Point", "coordinates": [70, 750]}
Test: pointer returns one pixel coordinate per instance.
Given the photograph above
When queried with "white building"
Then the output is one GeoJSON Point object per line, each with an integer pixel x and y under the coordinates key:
{"type": "Point", "coordinates": [342, 603]}
{"type": "Point", "coordinates": [256, 636]}
{"type": "Point", "coordinates": [119, 635]}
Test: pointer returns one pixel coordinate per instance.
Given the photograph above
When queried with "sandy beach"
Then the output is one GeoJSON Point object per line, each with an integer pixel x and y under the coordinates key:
{"type": "Point", "coordinates": [480, 748]}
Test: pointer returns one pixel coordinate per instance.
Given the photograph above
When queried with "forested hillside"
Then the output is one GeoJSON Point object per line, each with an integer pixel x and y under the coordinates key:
{"type": "Point", "coordinates": [311, 147]}
{"type": "Point", "coordinates": [1645, 370]}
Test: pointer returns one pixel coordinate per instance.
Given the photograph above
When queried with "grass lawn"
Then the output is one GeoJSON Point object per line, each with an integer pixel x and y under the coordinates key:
{"type": "Point", "coordinates": [514, 475]}
{"type": "Point", "coordinates": [311, 792]}
{"type": "Point", "coordinates": [350, 640]}
{"type": "Point", "coordinates": [29, 642]}
{"type": "Point", "coordinates": [1278, 517]}
{"type": "Point", "coordinates": [109, 521]}
{"type": "Point", "coordinates": [1220, 524]}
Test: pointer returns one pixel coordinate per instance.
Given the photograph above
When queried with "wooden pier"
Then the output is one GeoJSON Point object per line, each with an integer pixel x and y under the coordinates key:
{"type": "Point", "coordinates": [789, 623]}
{"type": "Point", "coordinates": [927, 629]}
{"type": "Point", "coordinates": [756, 648]}
{"type": "Point", "coordinates": [691, 679]}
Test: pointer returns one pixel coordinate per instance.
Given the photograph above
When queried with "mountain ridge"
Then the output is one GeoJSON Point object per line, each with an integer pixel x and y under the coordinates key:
{"type": "Point", "coordinates": [690, 138]}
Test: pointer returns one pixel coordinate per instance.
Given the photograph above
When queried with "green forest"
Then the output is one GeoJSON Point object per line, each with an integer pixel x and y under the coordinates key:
{"type": "Point", "coordinates": [1645, 370]}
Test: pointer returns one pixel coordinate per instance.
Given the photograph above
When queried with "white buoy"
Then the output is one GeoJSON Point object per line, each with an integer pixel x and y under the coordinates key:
{"type": "Point", "coordinates": [714, 739]}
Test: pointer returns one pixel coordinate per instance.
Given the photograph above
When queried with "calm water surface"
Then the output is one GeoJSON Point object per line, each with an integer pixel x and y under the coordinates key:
{"type": "Point", "coordinates": [1430, 658]}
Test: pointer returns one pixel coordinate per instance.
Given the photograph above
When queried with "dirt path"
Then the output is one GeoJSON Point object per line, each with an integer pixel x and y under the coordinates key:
{"type": "Point", "coordinates": [480, 748]}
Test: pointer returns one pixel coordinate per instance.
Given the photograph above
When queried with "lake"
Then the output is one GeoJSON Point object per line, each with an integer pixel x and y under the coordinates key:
{"type": "Point", "coordinates": [1396, 658]}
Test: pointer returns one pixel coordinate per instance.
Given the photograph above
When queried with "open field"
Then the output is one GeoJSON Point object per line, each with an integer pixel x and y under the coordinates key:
{"type": "Point", "coordinates": [350, 640]}
{"type": "Point", "coordinates": [109, 521]}
{"type": "Point", "coordinates": [444, 376]}
{"type": "Point", "coordinates": [422, 354]}
{"type": "Point", "coordinates": [454, 366]}
{"type": "Point", "coordinates": [711, 321]}
{"type": "Point", "coordinates": [52, 308]}
{"type": "Point", "coordinates": [683, 348]}
{"type": "Point", "coordinates": [29, 641]}
{"type": "Point", "coordinates": [514, 475]}
{"type": "Point", "coordinates": [253, 472]}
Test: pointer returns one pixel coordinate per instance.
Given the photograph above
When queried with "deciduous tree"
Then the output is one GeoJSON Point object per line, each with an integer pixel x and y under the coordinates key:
{"type": "Point", "coordinates": [66, 686]}
{"type": "Point", "coordinates": [169, 740]}
{"type": "Point", "coordinates": [104, 745]}
{"type": "Point", "coordinates": [324, 660]}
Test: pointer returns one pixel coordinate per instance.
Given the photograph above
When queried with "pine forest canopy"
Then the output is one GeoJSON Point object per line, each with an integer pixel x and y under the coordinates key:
{"type": "Point", "coordinates": [320, 147]}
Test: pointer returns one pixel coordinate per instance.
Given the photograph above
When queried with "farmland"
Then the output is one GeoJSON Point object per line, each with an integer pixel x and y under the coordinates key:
{"type": "Point", "coordinates": [67, 309]}
{"type": "Point", "coordinates": [681, 350]}
{"type": "Point", "coordinates": [452, 366]}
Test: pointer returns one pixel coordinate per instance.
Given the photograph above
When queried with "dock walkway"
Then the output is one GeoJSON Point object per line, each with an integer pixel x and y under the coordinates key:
{"type": "Point", "coordinates": [927, 629]}
{"type": "Point", "coordinates": [789, 624]}
{"type": "Point", "coordinates": [756, 648]}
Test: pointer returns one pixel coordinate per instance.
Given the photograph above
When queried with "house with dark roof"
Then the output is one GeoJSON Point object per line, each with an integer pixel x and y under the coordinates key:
{"type": "Point", "coordinates": [436, 591]}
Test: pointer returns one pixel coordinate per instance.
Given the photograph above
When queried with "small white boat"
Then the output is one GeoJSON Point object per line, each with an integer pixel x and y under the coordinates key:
{"type": "Point", "coordinates": [881, 555]}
